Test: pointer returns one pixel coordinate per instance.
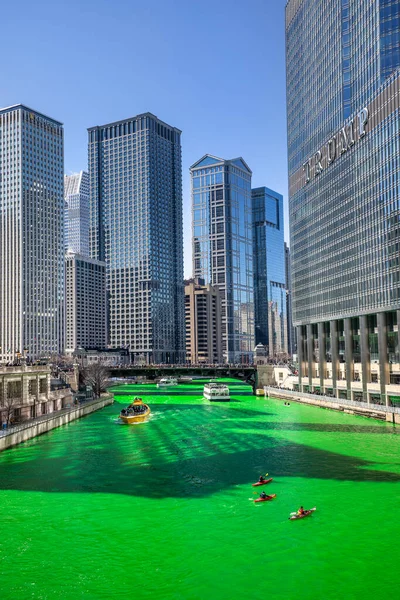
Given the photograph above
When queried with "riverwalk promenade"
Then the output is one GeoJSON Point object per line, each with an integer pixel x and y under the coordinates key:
{"type": "Point", "coordinates": [390, 414]}
{"type": "Point", "coordinates": [34, 427]}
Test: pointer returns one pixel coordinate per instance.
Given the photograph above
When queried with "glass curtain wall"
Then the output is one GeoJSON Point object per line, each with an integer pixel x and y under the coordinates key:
{"type": "Point", "coordinates": [222, 247]}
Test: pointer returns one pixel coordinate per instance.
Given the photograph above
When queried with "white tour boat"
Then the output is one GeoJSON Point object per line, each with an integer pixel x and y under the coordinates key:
{"type": "Point", "coordinates": [167, 382]}
{"type": "Point", "coordinates": [216, 392]}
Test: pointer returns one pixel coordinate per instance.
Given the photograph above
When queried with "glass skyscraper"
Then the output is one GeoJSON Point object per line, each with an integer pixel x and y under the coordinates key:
{"type": "Point", "coordinates": [31, 234]}
{"type": "Point", "coordinates": [76, 194]}
{"type": "Point", "coordinates": [135, 176]}
{"type": "Point", "coordinates": [222, 247]}
{"type": "Point", "coordinates": [343, 98]}
{"type": "Point", "coordinates": [270, 294]}
{"type": "Point", "coordinates": [292, 342]}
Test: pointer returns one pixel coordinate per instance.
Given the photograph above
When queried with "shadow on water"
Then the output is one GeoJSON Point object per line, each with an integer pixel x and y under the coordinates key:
{"type": "Point", "coordinates": [180, 457]}
{"type": "Point", "coordinates": [328, 428]}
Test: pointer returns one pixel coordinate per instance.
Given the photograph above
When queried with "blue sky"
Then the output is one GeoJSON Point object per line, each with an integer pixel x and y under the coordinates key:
{"type": "Point", "coordinates": [214, 69]}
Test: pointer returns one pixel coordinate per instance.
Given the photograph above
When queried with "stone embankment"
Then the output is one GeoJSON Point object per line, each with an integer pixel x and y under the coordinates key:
{"type": "Point", "coordinates": [26, 431]}
{"type": "Point", "coordinates": [383, 413]}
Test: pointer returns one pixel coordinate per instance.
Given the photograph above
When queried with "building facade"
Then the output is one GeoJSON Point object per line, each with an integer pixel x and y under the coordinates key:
{"type": "Point", "coordinates": [31, 234]}
{"type": "Point", "coordinates": [270, 292]}
{"type": "Point", "coordinates": [86, 302]}
{"type": "Point", "coordinates": [136, 228]}
{"type": "Point", "coordinates": [29, 392]}
{"type": "Point", "coordinates": [108, 357]}
{"type": "Point", "coordinates": [76, 195]}
{"type": "Point", "coordinates": [203, 322]}
{"type": "Point", "coordinates": [343, 98]}
{"type": "Point", "coordinates": [223, 249]}
{"type": "Point", "coordinates": [292, 341]}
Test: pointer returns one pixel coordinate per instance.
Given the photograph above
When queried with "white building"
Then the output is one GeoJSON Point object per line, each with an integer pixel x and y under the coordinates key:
{"type": "Point", "coordinates": [31, 234]}
{"type": "Point", "coordinates": [86, 302]}
{"type": "Point", "coordinates": [76, 195]}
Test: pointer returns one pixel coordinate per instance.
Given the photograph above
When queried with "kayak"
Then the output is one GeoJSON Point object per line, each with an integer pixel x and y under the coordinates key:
{"type": "Point", "coordinates": [271, 497]}
{"type": "Point", "coordinates": [306, 513]}
{"type": "Point", "coordinates": [262, 482]}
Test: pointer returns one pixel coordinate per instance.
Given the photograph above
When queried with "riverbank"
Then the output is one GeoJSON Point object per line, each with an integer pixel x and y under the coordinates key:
{"type": "Point", "coordinates": [31, 429]}
{"type": "Point", "coordinates": [372, 411]}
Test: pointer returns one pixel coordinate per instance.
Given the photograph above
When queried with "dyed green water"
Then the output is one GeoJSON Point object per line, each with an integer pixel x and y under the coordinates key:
{"type": "Point", "coordinates": [161, 510]}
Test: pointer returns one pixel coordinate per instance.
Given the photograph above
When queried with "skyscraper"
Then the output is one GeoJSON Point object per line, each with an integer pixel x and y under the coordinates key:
{"type": "Point", "coordinates": [292, 342]}
{"type": "Point", "coordinates": [223, 249]}
{"type": "Point", "coordinates": [76, 195]}
{"type": "Point", "coordinates": [203, 322]}
{"type": "Point", "coordinates": [270, 292]}
{"type": "Point", "coordinates": [343, 98]}
{"type": "Point", "coordinates": [31, 233]}
{"type": "Point", "coordinates": [136, 228]}
{"type": "Point", "coordinates": [86, 303]}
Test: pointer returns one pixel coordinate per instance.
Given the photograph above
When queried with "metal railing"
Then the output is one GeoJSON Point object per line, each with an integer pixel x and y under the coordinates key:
{"type": "Point", "coordinates": [341, 401]}
{"type": "Point", "coordinates": [44, 418]}
{"type": "Point", "coordinates": [25, 369]}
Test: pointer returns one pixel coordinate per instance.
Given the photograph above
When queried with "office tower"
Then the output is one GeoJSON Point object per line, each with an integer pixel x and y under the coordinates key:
{"type": "Point", "coordinates": [290, 329]}
{"type": "Point", "coordinates": [135, 177]}
{"type": "Point", "coordinates": [270, 292]}
{"type": "Point", "coordinates": [203, 322]}
{"type": "Point", "coordinates": [223, 249]}
{"type": "Point", "coordinates": [343, 145]}
{"type": "Point", "coordinates": [76, 195]}
{"type": "Point", "coordinates": [31, 234]}
{"type": "Point", "coordinates": [86, 303]}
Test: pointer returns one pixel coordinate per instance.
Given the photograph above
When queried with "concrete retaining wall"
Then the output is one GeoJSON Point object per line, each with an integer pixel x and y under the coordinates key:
{"type": "Point", "coordinates": [28, 431]}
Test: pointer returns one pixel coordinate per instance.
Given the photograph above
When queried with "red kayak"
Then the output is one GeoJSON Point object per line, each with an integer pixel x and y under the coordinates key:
{"type": "Point", "coordinates": [262, 482]}
{"type": "Point", "coordinates": [271, 497]}
{"type": "Point", "coordinates": [306, 513]}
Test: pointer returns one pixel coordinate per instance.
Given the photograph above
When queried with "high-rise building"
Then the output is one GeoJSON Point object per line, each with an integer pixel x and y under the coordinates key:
{"type": "Point", "coordinates": [270, 292]}
{"type": "Point", "coordinates": [136, 228]}
{"type": "Point", "coordinates": [31, 234]}
{"type": "Point", "coordinates": [76, 195]}
{"type": "Point", "coordinates": [203, 322]}
{"type": "Point", "coordinates": [86, 303]}
{"type": "Point", "coordinates": [223, 249]}
{"type": "Point", "coordinates": [292, 342]}
{"type": "Point", "coordinates": [343, 98]}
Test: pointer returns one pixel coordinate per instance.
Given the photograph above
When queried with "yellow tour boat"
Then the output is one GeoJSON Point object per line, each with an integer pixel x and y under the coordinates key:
{"type": "Point", "coordinates": [136, 412]}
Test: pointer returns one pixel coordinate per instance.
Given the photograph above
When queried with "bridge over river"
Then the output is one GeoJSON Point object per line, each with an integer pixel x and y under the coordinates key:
{"type": "Point", "coordinates": [247, 373]}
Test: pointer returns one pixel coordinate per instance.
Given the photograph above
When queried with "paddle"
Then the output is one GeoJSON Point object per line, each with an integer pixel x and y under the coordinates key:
{"type": "Point", "coordinates": [308, 510]}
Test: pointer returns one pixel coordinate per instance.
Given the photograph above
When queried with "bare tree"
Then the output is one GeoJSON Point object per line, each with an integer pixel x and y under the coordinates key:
{"type": "Point", "coordinates": [96, 375]}
{"type": "Point", "coordinates": [11, 400]}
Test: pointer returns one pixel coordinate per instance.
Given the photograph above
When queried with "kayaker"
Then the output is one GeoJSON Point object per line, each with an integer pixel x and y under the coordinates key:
{"type": "Point", "coordinates": [261, 479]}
{"type": "Point", "coordinates": [263, 495]}
{"type": "Point", "coordinates": [300, 511]}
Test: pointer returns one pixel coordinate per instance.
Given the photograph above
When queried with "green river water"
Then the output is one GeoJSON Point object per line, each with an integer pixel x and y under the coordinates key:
{"type": "Point", "coordinates": [164, 510]}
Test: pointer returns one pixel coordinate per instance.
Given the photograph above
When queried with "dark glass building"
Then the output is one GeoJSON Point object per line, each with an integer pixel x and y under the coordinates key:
{"type": "Point", "coordinates": [135, 171]}
{"type": "Point", "coordinates": [292, 342]}
{"type": "Point", "coordinates": [343, 98]}
{"type": "Point", "coordinates": [223, 249]}
{"type": "Point", "coordinates": [270, 294]}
